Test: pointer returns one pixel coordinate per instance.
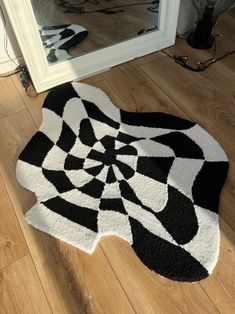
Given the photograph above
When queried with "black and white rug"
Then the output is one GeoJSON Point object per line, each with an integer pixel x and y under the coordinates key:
{"type": "Point", "coordinates": [58, 39]}
{"type": "Point", "coordinates": [150, 178]}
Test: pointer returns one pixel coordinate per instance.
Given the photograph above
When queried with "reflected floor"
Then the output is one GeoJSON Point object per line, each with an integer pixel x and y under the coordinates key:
{"type": "Point", "coordinates": [106, 21]}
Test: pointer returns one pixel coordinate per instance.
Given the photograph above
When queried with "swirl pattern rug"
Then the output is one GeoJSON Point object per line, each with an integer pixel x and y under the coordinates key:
{"type": "Point", "coordinates": [152, 179]}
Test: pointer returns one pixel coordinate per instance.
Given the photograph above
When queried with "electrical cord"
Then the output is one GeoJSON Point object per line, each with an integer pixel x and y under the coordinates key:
{"type": "Point", "coordinates": [182, 60]}
{"type": "Point", "coordinates": [202, 65]}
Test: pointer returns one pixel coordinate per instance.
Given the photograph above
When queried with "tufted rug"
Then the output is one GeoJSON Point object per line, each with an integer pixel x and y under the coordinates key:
{"type": "Point", "coordinates": [150, 178]}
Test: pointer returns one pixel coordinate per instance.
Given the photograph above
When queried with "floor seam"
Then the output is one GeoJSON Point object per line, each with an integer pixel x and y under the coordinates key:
{"type": "Point", "coordinates": [118, 279]}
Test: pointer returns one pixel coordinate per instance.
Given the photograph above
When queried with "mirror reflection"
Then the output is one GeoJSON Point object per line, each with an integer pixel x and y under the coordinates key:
{"type": "Point", "coordinates": [70, 28]}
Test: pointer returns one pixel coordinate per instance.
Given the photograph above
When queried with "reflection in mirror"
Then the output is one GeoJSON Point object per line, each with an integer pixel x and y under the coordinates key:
{"type": "Point", "coordinates": [70, 28]}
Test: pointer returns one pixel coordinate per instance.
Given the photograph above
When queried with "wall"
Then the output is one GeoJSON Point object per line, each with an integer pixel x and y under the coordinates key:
{"type": "Point", "coordinates": [6, 65]}
{"type": "Point", "coordinates": [188, 13]}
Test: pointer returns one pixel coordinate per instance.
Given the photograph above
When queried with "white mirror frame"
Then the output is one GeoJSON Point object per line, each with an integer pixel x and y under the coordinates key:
{"type": "Point", "coordinates": [45, 76]}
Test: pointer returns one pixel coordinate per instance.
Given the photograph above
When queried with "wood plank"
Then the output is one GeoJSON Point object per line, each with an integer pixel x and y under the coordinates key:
{"type": "Point", "coordinates": [9, 102]}
{"type": "Point", "coordinates": [228, 46]}
{"type": "Point", "coordinates": [33, 104]}
{"type": "Point", "coordinates": [227, 199]}
{"type": "Point", "coordinates": [138, 92]}
{"type": "Point", "coordinates": [226, 23]}
{"type": "Point", "coordinates": [148, 292]}
{"type": "Point", "coordinates": [74, 282]}
{"type": "Point", "coordinates": [220, 285]}
{"type": "Point", "coordinates": [226, 27]}
{"type": "Point", "coordinates": [117, 101]}
{"type": "Point", "coordinates": [12, 242]}
{"type": "Point", "coordinates": [218, 71]}
{"type": "Point", "coordinates": [146, 59]}
{"type": "Point", "coordinates": [21, 290]}
{"type": "Point", "coordinates": [94, 79]}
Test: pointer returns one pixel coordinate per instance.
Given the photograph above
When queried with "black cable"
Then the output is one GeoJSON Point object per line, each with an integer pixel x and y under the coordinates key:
{"type": "Point", "coordinates": [214, 48]}
{"type": "Point", "coordinates": [144, 31]}
{"type": "Point", "coordinates": [182, 60]}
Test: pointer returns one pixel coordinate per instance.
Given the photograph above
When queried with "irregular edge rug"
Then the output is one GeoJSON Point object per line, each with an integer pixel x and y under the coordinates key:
{"type": "Point", "coordinates": [50, 222]}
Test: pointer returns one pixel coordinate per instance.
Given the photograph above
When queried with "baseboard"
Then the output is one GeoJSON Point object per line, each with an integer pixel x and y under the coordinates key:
{"type": "Point", "coordinates": [8, 65]}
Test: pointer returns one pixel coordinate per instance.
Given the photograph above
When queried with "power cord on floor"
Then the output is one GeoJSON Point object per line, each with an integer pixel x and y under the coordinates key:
{"type": "Point", "coordinates": [25, 79]}
{"type": "Point", "coordinates": [182, 60]}
{"type": "Point", "coordinates": [202, 65]}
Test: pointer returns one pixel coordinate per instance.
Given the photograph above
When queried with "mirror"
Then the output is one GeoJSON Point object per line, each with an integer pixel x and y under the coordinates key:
{"type": "Point", "coordinates": [71, 28]}
{"type": "Point", "coordinates": [118, 32]}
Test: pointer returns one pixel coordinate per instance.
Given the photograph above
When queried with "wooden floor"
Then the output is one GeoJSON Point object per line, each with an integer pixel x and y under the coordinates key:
{"type": "Point", "coordinates": [39, 274]}
{"type": "Point", "coordinates": [103, 29]}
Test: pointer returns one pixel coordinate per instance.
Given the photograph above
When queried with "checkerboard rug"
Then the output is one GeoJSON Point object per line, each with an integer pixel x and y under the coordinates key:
{"type": "Point", "coordinates": [152, 179]}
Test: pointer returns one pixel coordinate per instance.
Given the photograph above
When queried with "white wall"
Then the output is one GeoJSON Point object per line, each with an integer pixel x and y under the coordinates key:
{"type": "Point", "coordinates": [188, 13]}
{"type": "Point", "coordinates": [7, 65]}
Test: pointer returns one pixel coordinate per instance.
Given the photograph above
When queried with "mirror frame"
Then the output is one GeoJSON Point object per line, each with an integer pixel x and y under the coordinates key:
{"type": "Point", "coordinates": [45, 76]}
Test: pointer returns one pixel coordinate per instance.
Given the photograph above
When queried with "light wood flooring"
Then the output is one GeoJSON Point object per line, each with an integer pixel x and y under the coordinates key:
{"type": "Point", "coordinates": [103, 29]}
{"type": "Point", "coordinates": [39, 274]}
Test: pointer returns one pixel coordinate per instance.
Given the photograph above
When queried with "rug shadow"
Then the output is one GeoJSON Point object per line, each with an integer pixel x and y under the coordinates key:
{"type": "Point", "coordinates": [227, 231]}
{"type": "Point", "coordinates": [63, 266]}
